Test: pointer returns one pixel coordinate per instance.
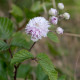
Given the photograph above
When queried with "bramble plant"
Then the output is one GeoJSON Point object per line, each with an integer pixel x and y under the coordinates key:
{"type": "Point", "coordinates": [14, 41]}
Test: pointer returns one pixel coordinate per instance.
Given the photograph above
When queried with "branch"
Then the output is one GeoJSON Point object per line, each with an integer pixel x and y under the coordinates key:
{"type": "Point", "coordinates": [10, 53]}
{"type": "Point", "coordinates": [32, 46]}
{"type": "Point", "coordinates": [16, 67]}
{"type": "Point", "coordinates": [68, 34]}
{"type": "Point", "coordinates": [15, 72]}
{"type": "Point", "coordinates": [33, 58]}
{"type": "Point", "coordinates": [22, 26]}
{"type": "Point", "coordinates": [71, 34]}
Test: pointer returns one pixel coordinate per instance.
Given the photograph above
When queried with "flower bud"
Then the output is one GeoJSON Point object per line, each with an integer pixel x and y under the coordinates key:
{"type": "Point", "coordinates": [59, 30]}
{"type": "Point", "coordinates": [54, 20]}
{"type": "Point", "coordinates": [53, 12]}
{"type": "Point", "coordinates": [61, 6]}
{"type": "Point", "coordinates": [66, 15]}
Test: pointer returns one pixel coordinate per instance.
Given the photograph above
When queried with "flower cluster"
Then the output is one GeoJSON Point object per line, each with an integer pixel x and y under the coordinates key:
{"type": "Point", "coordinates": [38, 26]}
{"type": "Point", "coordinates": [55, 16]}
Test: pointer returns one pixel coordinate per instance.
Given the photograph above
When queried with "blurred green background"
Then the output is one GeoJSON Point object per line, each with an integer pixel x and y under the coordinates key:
{"type": "Point", "coordinates": [65, 54]}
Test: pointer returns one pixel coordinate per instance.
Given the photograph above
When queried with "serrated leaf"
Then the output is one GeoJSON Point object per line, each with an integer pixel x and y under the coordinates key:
{"type": "Point", "coordinates": [21, 56]}
{"type": "Point", "coordinates": [19, 40]}
{"type": "Point", "coordinates": [6, 28]}
{"type": "Point", "coordinates": [53, 37]}
{"type": "Point", "coordinates": [3, 45]}
{"type": "Point", "coordinates": [47, 66]}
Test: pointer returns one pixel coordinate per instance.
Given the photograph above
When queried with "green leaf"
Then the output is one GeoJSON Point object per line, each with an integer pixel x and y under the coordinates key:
{"type": "Point", "coordinates": [27, 3]}
{"type": "Point", "coordinates": [40, 74]}
{"type": "Point", "coordinates": [47, 66]}
{"type": "Point", "coordinates": [5, 55]}
{"type": "Point", "coordinates": [3, 72]}
{"type": "Point", "coordinates": [63, 77]}
{"type": "Point", "coordinates": [17, 13]}
{"type": "Point", "coordinates": [10, 70]}
{"type": "Point", "coordinates": [6, 28]}
{"type": "Point", "coordinates": [3, 46]}
{"type": "Point", "coordinates": [16, 10]}
{"type": "Point", "coordinates": [23, 70]}
{"type": "Point", "coordinates": [21, 56]}
{"type": "Point", "coordinates": [53, 37]}
{"type": "Point", "coordinates": [30, 14]}
{"type": "Point", "coordinates": [19, 40]}
{"type": "Point", "coordinates": [36, 6]}
{"type": "Point", "coordinates": [52, 50]}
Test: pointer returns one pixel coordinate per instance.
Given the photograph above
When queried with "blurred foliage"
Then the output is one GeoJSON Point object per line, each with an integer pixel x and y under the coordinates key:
{"type": "Point", "coordinates": [53, 51]}
{"type": "Point", "coordinates": [24, 70]}
{"type": "Point", "coordinates": [17, 13]}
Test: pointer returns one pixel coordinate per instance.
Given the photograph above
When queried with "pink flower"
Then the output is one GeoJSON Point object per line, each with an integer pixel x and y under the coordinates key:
{"type": "Point", "coordinates": [37, 28]}
{"type": "Point", "coordinates": [54, 20]}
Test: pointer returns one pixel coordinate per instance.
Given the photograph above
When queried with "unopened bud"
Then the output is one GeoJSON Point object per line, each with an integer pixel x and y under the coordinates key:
{"type": "Point", "coordinates": [53, 12]}
{"type": "Point", "coordinates": [61, 6]}
{"type": "Point", "coordinates": [59, 30]}
{"type": "Point", "coordinates": [66, 15]}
